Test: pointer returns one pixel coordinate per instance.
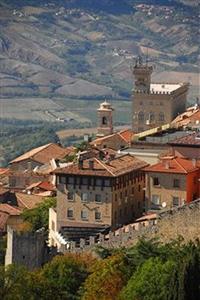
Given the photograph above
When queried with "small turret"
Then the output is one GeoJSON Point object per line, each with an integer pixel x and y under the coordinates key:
{"type": "Point", "coordinates": [105, 123]}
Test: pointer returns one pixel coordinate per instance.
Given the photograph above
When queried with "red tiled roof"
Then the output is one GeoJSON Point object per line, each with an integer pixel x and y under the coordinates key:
{"type": "Point", "coordinates": [45, 185]}
{"type": "Point", "coordinates": [127, 135]}
{"type": "Point", "coordinates": [10, 210]}
{"type": "Point", "coordinates": [114, 138]}
{"type": "Point", "coordinates": [116, 167]}
{"type": "Point", "coordinates": [7, 210]}
{"type": "Point", "coordinates": [177, 165]}
{"type": "Point", "coordinates": [190, 116]}
{"type": "Point", "coordinates": [188, 140]}
{"type": "Point", "coordinates": [44, 153]}
{"type": "Point", "coordinates": [28, 201]}
{"type": "Point", "coordinates": [3, 171]}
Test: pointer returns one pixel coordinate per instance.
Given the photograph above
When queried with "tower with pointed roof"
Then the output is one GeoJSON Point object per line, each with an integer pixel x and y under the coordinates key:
{"type": "Point", "coordinates": [105, 119]}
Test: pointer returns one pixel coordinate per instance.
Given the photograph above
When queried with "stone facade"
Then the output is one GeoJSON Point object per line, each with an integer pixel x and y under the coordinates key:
{"type": "Point", "coordinates": [105, 122]}
{"type": "Point", "coordinates": [99, 200]}
{"type": "Point", "coordinates": [28, 249]}
{"type": "Point", "coordinates": [155, 104]}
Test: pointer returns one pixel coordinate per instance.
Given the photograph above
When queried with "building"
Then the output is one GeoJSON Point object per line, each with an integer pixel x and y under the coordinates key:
{"type": "Point", "coordinates": [23, 169]}
{"type": "Point", "coordinates": [115, 141]}
{"type": "Point", "coordinates": [9, 215]}
{"type": "Point", "coordinates": [96, 194]}
{"type": "Point", "coordinates": [187, 146]}
{"type": "Point", "coordinates": [172, 182]}
{"type": "Point", "coordinates": [188, 119]}
{"type": "Point", "coordinates": [155, 104]}
{"type": "Point", "coordinates": [105, 119]}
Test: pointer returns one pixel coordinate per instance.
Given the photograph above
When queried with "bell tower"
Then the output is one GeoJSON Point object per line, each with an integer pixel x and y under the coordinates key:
{"type": "Point", "coordinates": [142, 73]}
{"type": "Point", "coordinates": [105, 122]}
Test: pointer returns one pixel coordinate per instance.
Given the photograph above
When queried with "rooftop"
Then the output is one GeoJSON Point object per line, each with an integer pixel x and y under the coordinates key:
{"type": "Point", "coordinates": [190, 117]}
{"type": "Point", "coordinates": [172, 164]}
{"type": "Point", "coordinates": [43, 154]}
{"type": "Point", "coordinates": [28, 201]}
{"type": "Point", "coordinates": [95, 167]}
{"type": "Point", "coordinates": [190, 140]}
{"type": "Point", "coordinates": [124, 136]}
{"type": "Point", "coordinates": [165, 87]}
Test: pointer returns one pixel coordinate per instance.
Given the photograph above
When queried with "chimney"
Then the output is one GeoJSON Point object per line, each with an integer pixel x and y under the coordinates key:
{"type": "Point", "coordinates": [91, 164]}
{"type": "Point", "coordinates": [194, 162]}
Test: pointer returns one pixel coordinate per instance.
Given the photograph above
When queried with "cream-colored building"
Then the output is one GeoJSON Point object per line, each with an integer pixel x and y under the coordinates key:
{"type": "Point", "coordinates": [155, 104]}
{"type": "Point", "coordinates": [94, 194]}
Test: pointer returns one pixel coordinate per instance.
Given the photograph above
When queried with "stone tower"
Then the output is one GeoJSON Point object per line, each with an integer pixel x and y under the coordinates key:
{"type": "Point", "coordinates": [105, 122]}
{"type": "Point", "coordinates": [142, 73]}
{"type": "Point", "coordinates": [155, 104]}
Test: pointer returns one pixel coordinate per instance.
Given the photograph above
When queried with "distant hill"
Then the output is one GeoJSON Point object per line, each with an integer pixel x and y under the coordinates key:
{"type": "Point", "coordinates": [84, 48]}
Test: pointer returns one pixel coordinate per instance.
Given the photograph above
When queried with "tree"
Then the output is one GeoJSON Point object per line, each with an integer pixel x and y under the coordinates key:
{"type": "Point", "coordinates": [38, 217]}
{"type": "Point", "coordinates": [106, 279]}
{"type": "Point", "coordinates": [150, 281]}
{"type": "Point", "coordinates": [65, 274]}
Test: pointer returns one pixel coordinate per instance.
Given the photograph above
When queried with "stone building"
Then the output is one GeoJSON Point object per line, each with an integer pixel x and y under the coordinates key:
{"type": "Point", "coordinates": [155, 104]}
{"type": "Point", "coordinates": [22, 169]}
{"type": "Point", "coordinates": [105, 121]}
{"type": "Point", "coordinates": [95, 194]}
{"type": "Point", "coordinates": [172, 182]}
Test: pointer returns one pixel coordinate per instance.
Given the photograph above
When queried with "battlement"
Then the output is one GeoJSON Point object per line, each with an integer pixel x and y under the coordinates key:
{"type": "Point", "coordinates": [185, 216]}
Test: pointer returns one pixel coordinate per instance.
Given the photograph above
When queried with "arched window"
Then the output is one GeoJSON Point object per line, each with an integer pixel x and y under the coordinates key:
{"type": "Point", "coordinates": [151, 117]}
{"type": "Point", "coordinates": [84, 214]}
{"type": "Point", "coordinates": [141, 116]}
{"type": "Point", "coordinates": [70, 213]}
{"type": "Point", "coordinates": [161, 116]}
{"type": "Point", "coordinates": [104, 121]}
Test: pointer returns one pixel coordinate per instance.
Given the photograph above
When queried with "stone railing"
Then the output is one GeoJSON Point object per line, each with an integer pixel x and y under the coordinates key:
{"type": "Point", "coordinates": [127, 234]}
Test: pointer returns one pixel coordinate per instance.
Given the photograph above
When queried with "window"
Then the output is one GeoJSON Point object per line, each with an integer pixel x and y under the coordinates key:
{"type": "Point", "coordinates": [98, 198]}
{"type": "Point", "coordinates": [70, 196]}
{"type": "Point", "coordinates": [141, 103]}
{"type": "Point", "coordinates": [53, 225]}
{"type": "Point", "coordinates": [161, 116]}
{"type": "Point", "coordinates": [84, 214]}
{"type": "Point", "coordinates": [141, 116]}
{"type": "Point", "coordinates": [71, 180]}
{"type": "Point", "coordinates": [115, 197]}
{"type": "Point", "coordinates": [99, 182]}
{"type": "Point", "coordinates": [84, 197]}
{"type": "Point", "coordinates": [151, 117]}
{"type": "Point", "coordinates": [62, 179]}
{"type": "Point", "coordinates": [107, 182]}
{"type": "Point", "coordinates": [125, 211]}
{"type": "Point", "coordinates": [155, 199]}
{"type": "Point", "coordinates": [175, 201]}
{"type": "Point", "coordinates": [70, 213]}
{"type": "Point", "coordinates": [104, 121]}
{"type": "Point", "coordinates": [176, 183]}
{"type": "Point", "coordinates": [85, 180]}
{"type": "Point", "coordinates": [97, 215]}
{"type": "Point", "coordinates": [156, 181]}
{"type": "Point", "coordinates": [139, 188]}
{"type": "Point", "coordinates": [132, 190]}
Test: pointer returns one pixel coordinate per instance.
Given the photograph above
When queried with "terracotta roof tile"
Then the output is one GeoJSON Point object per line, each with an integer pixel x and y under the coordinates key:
{"type": "Point", "coordinates": [28, 201]}
{"type": "Point", "coordinates": [190, 116]}
{"type": "Point", "coordinates": [188, 140]}
{"type": "Point", "coordinates": [177, 165]}
{"type": "Point", "coordinates": [10, 210]}
{"type": "Point", "coordinates": [118, 166]}
{"type": "Point", "coordinates": [44, 153]}
{"type": "Point", "coordinates": [127, 135]}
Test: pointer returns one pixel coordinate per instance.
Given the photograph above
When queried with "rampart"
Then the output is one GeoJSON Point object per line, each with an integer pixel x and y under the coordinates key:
{"type": "Point", "coordinates": [182, 221]}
